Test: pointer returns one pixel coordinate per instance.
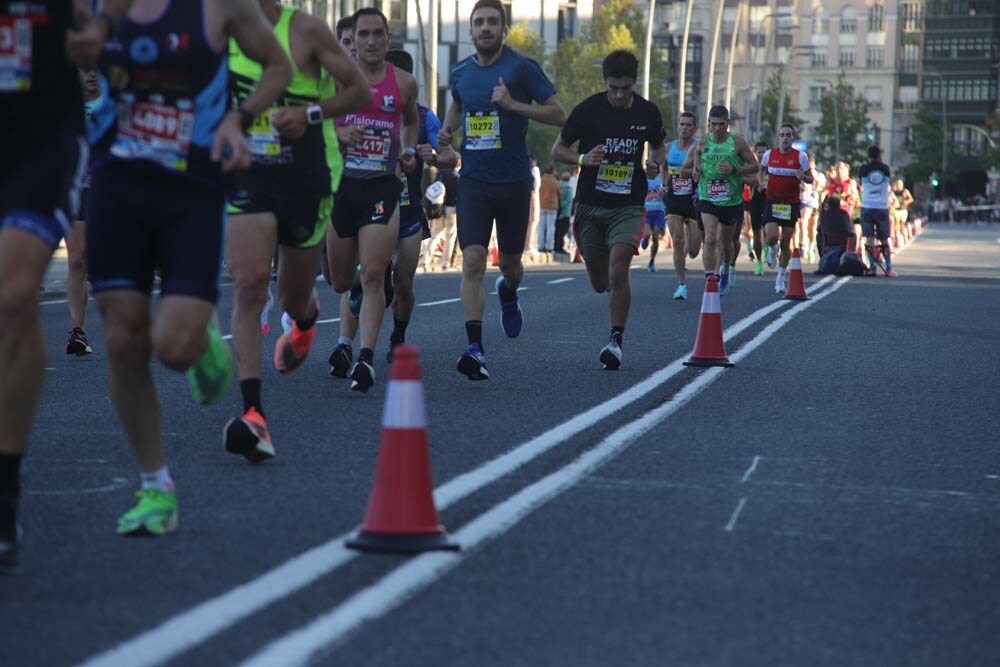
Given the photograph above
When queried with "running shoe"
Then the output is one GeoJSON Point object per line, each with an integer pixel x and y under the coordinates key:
{"type": "Point", "coordinates": [611, 356]}
{"type": "Point", "coordinates": [724, 283]}
{"type": "Point", "coordinates": [341, 360]}
{"type": "Point", "coordinates": [77, 344]}
{"type": "Point", "coordinates": [266, 313]}
{"type": "Point", "coordinates": [871, 272]}
{"type": "Point", "coordinates": [511, 316]}
{"type": "Point", "coordinates": [10, 550]}
{"type": "Point", "coordinates": [362, 377]}
{"type": "Point", "coordinates": [772, 256]}
{"type": "Point", "coordinates": [758, 269]}
{"type": "Point", "coordinates": [732, 276]}
{"type": "Point", "coordinates": [286, 322]}
{"type": "Point", "coordinates": [681, 293]}
{"type": "Point", "coordinates": [472, 363]}
{"type": "Point", "coordinates": [292, 348]}
{"type": "Point", "coordinates": [645, 243]}
{"type": "Point", "coordinates": [652, 267]}
{"type": "Point", "coordinates": [889, 273]}
{"type": "Point", "coordinates": [781, 284]}
{"type": "Point", "coordinates": [249, 437]}
{"type": "Point", "coordinates": [155, 514]}
{"type": "Point", "coordinates": [210, 376]}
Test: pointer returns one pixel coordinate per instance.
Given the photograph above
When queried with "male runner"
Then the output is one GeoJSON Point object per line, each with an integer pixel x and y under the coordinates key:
{"type": "Point", "coordinates": [786, 169]}
{"type": "Point", "coordinates": [613, 129]}
{"type": "Point", "coordinates": [875, 224]}
{"type": "Point", "coordinates": [682, 216]}
{"type": "Point", "coordinates": [382, 140]}
{"type": "Point", "coordinates": [284, 199]}
{"type": "Point", "coordinates": [492, 93]}
{"type": "Point", "coordinates": [157, 203]}
{"type": "Point", "coordinates": [755, 209]}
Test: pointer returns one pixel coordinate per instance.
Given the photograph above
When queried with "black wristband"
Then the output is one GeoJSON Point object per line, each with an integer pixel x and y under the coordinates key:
{"type": "Point", "coordinates": [246, 118]}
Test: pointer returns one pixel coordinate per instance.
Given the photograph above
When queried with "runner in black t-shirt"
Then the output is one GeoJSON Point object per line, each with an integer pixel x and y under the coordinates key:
{"type": "Point", "coordinates": [612, 129]}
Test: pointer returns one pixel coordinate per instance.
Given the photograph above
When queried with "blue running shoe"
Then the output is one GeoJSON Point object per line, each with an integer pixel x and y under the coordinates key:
{"type": "Point", "coordinates": [511, 316]}
{"type": "Point", "coordinates": [723, 283]}
{"type": "Point", "coordinates": [472, 363]}
{"type": "Point", "coordinates": [681, 293]}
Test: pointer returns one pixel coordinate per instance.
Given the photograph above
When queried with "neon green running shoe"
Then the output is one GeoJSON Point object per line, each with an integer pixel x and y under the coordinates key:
{"type": "Point", "coordinates": [209, 378]}
{"type": "Point", "coordinates": [156, 514]}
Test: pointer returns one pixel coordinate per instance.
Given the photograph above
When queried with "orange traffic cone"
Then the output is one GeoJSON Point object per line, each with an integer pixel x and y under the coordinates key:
{"type": "Point", "coordinates": [402, 517]}
{"type": "Point", "coordinates": [796, 288]}
{"type": "Point", "coordinates": [709, 349]}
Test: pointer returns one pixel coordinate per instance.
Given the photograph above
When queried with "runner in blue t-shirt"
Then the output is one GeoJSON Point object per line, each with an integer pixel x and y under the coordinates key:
{"type": "Point", "coordinates": [492, 100]}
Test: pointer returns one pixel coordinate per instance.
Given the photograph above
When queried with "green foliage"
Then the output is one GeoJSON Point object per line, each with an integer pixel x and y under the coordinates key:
{"type": "Point", "coordinates": [849, 111]}
{"type": "Point", "coordinates": [524, 40]}
{"type": "Point", "coordinates": [776, 86]}
{"type": "Point", "coordinates": [925, 145]}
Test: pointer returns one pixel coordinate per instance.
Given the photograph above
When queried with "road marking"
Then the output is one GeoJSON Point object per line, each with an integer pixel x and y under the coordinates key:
{"type": "Point", "coordinates": [753, 466]}
{"type": "Point", "coordinates": [560, 280]}
{"type": "Point", "coordinates": [190, 628]}
{"type": "Point", "coordinates": [736, 515]}
{"type": "Point", "coordinates": [439, 303]}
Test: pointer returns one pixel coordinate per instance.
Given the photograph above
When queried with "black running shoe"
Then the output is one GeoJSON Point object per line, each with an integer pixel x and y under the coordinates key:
{"type": "Point", "coordinates": [340, 360]}
{"type": "Point", "coordinates": [77, 344]}
{"type": "Point", "coordinates": [362, 377]}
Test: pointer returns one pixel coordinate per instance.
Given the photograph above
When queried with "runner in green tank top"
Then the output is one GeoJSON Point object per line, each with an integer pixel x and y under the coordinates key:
{"type": "Point", "coordinates": [718, 163]}
{"type": "Point", "coordinates": [284, 199]}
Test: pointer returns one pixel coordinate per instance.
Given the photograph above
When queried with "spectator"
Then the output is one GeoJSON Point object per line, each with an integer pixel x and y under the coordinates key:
{"type": "Point", "coordinates": [835, 228]}
{"type": "Point", "coordinates": [548, 199]}
{"type": "Point", "coordinates": [565, 213]}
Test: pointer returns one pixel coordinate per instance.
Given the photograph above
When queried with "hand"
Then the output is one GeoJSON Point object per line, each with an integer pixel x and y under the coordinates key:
{"type": "Point", "coordinates": [290, 122]}
{"type": "Point", "coordinates": [427, 153]}
{"type": "Point", "coordinates": [501, 96]}
{"type": "Point", "coordinates": [724, 168]}
{"type": "Point", "coordinates": [408, 161]}
{"type": "Point", "coordinates": [229, 146]}
{"type": "Point", "coordinates": [83, 45]}
{"type": "Point", "coordinates": [351, 135]}
{"type": "Point", "coordinates": [444, 137]}
{"type": "Point", "coordinates": [652, 169]}
{"type": "Point", "coordinates": [594, 157]}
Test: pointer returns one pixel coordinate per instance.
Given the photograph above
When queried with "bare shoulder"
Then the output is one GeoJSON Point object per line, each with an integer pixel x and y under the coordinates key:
{"type": "Point", "coordinates": [407, 83]}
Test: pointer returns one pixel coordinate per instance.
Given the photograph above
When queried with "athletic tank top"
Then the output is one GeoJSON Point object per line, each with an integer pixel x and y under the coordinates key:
{"type": "Point", "coordinates": [37, 83]}
{"type": "Point", "coordinates": [378, 152]}
{"type": "Point", "coordinates": [783, 185]}
{"type": "Point", "coordinates": [678, 187]}
{"type": "Point", "coordinates": [288, 167]}
{"type": "Point", "coordinates": [720, 189]}
{"type": "Point", "coordinates": [169, 87]}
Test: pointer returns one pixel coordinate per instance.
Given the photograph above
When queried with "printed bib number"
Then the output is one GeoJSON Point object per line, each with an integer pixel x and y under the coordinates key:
{"type": "Point", "coordinates": [404, 195]}
{"type": "Point", "coordinates": [371, 153]}
{"type": "Point", "coordinates": [156, 132]}
{"type": "Point", "coordinates": [262, 137]}
{"type": "Point", "coordinates": [718, 191]}
{"type": "Point", "coordinates": [614, 179]}
{"type": "Point", "coordinates": [782, 211]}
{"type": "Point", "coordinates": [15, 54]}
{"type": "Point", "coordinates": [482, 132]}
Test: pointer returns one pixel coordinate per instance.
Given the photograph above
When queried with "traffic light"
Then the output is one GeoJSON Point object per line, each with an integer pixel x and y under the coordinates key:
{"type": "Point", "coordinates": [871, 134]}
{"type": "Point", "coordinates": [935, 181]}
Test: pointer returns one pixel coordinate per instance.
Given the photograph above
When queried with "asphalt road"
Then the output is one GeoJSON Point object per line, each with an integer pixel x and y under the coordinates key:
{"type": "Point", "coordinates": [834, 499]}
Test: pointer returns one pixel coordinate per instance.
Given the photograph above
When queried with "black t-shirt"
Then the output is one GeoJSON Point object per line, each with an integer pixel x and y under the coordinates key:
{"type": "Point", "coordinates": [836, 225]}
{"type": "Point", "coordinates": [621, 179]}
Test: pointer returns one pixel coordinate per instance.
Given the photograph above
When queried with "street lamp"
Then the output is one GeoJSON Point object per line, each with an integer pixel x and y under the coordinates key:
{"type": "Point", "coordinates": [753, 60]}
{"type": "Point", "coordinates": [836, 116]}
{"type": "Point", "coordinates": [944, 127]}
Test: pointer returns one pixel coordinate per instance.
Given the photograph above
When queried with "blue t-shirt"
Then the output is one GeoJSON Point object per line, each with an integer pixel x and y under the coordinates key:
{"type": "Point", "coordinates": [493, 143]}
{"type": "Point", "coordinates": [654, 195]}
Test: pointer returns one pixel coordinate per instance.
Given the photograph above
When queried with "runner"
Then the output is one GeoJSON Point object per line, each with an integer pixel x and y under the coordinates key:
{"type": "Point", "coordinates": [157, 203]}
{"type": "Point", "coordinates": [44, 157]}
{"type": "Point", "coordinates": [682, 214]}
{"type": "Point", "coordinates": [720, 161]}
{"type": "Point", "coordinates": [875, 224]}
{"type": "Point", "coordinates": [612, 129]}
{"type": "Point", "coordinates": [285, 199]}
{"type": "Point", "coordinates": [786, 169]}
{"type": "Point", "coordinates": [381, 140]}
{"type": "Point", "coordinates": [492, 93]}
{"type": "Point", "coordinates": [654, 219]}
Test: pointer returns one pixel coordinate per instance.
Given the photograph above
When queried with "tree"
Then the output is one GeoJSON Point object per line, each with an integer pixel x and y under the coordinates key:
{"type": "Point", "coordinates": [926, 138]}
{"type": "Point", "coordinates": [771, 102]}
{"type": "Point", "coordinates": [847, 111]}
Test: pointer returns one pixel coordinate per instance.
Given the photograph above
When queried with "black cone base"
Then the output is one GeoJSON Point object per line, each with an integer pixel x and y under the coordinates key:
{"type": "Point", "coordinates": [709, 363]}
{"type": "Point", "coordinates": [401, 544]}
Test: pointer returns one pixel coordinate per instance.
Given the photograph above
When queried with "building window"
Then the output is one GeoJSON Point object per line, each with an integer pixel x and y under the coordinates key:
{"type": "Point", "coordinates": [849, 21]}
{"type": "Point", "coordinates": [821, 25]}
{"type": "Point", "coordinates": [873, 95]}
{"type": "Point", "coordinates": [846, 58]}
{"type": "Point", "coordinates": [567, 21]}
{"type": "Point", "coordinates": [875, 19]}
{"type": "Point", "coordinates": [910, 15]}
{"type": "Point", "coordinates": [819, 59]}
{"type": "Point", "coordinates": [911, 58]}
{"type": "Point", "coordinates": [816, 94]}
{"type": "Point", "coordinates": [874, 56]}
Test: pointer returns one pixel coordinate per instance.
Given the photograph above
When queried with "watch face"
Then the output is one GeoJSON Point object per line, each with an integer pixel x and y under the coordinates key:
{"type": "Point", "coordinates": [314, 115]}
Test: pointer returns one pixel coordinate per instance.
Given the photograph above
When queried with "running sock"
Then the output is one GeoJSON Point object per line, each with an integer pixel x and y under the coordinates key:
{"type": "Point", "coordinates": [506, 293]}
{"type": "Point", "coordinates": [474, 331]}
{"type": "Point", "coordinates": [398, 334]}
{"type": "Point", "coordinates": [305, 325]}
{"type": "Point", "coordinates": [344, 340]}
{"type": "Point", "coordinates": [251, 395]}
{"type": "Point", "coordinates": [366, 355]}
{"type": "Point", "coordinates": [617, 333]}
{"type": "Point", "coordinates": [159, 480]}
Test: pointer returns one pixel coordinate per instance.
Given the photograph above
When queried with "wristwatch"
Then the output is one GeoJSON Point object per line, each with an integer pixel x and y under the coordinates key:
{"type": "Point", "coordinates": [314, 114]}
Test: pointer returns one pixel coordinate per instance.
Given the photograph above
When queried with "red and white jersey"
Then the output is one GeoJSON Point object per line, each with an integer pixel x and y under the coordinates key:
{"type": "Point", "coordinates": [782, 174]}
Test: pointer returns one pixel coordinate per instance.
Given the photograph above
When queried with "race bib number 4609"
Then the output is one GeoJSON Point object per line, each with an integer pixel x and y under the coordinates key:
{"type": "Point", "coordinates": [160, 133]}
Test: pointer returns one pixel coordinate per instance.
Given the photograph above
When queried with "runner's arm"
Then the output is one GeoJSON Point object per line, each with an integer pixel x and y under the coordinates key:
{"type": "Point", "coordinates": [353, 91]}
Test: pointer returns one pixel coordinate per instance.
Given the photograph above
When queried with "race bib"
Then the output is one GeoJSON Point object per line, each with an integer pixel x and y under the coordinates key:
{"type": "Point", "coordinates": [482, 131]}
{"type": "Point", "coordinates": [404, 195]}
{"type": "Point", "coordinates": [781, 211]}
{"type": "Point", "coordinates": [15, 54]}
{"type": "Point", "coordinates": [156, 132]}
{"type": "Point", "coordinates": [614, 179]}
{"type": "Point", "coordinates": [371, 153]}
{"type": "Point", "coordinates": [262, 138]}
{"type": "Point", "coordinates": [718, 191]}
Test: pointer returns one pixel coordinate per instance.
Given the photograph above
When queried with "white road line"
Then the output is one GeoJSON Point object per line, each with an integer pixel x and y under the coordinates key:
{"type": "Point", "coordinates": [736, 515]}
{"type": "Point", "coordinates": [438, 303]}
{"type": "Point", "coordinates": [190, 628]}
{"type": "Point", "coordinates": [298, 647]}
{"type": "Point", "coordinates": [560, 280]}
{"type": "Point", "coordinates": [753, 466]}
